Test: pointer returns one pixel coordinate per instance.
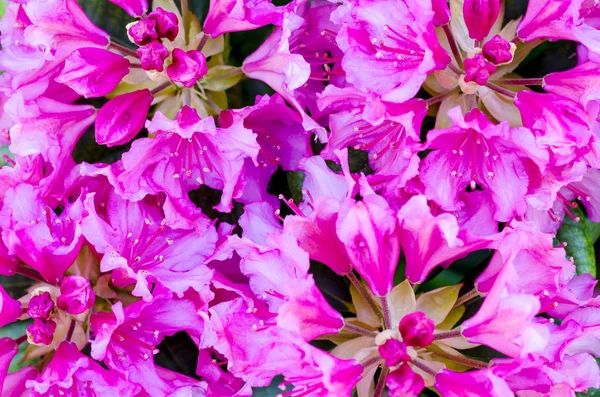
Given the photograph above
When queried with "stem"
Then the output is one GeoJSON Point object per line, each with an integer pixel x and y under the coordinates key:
{"type": "Point", "coordinates": [71, 330]}
{"type": "Point", "coordinates": [521, 81]}
{"type": "Point", "coordinates": [359, 330]}
{"type": "Point", "coordinates": [386, 313]}
{"type": "Point", "coordinates": [466, 297]}
{"type": "Point", "coordinates": [202, 43]}
{"type": "Point", "coordinates": [440, 97]}
{"type": "Point", "coordinates": [160, 88]}
{"type": "Point", "coordinates": [453, 46]}
{"type": "Point", "coordinates": [32, 274]}
{"type": "Point", "coordinates": [422, 366]}
{"type": "Point", "coordinates": [364, 293]}
{"type": "Point", "coordinates": [371, 361]}
{"type": "Point", "coordinates": [123, 49]}
{"type": "Point", "coordinates": [184, 14]}
{"type": "Point", "coordinates": [21, 339]}
{"type": "Point", "coordinates": [447, 334]}
{"type": "Point", "coordinates": [501, 90]}
{"type": "Point", "coordinates": [455, 69]}
{"type": "Point", "coordinates": [187, 97]}
{"type": "Point", "coordinates": [462, 360]}
{"type": "Point", "coordinates": [381, 382]}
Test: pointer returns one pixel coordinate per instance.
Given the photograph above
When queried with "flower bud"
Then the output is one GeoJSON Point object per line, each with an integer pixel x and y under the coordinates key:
{"type": "Point", "coordinates": [480, 16]}
{"type": "Point", "coordinates": [187, 67]}
{"type": "Point", "coordinates": [404, 382]}
{"type": "Point", "coordinates": [40, 306]}
{"type": "Point", "coordinates": [41, 332]}
{"type": "Point", "coordinates": [477, 69]}
{"type": "Point", "coordinates": [416, 329]}
{"type": "Point", "coordinates": [144, 31]}
{"type": "Point", "coordinates": [498, 51]}
{"type": "Point", "coordinates": [121, 118]}
{"type": "Point", "coordinates": [76, 295]}
{"type": "Point", "coordinates": [93, 72]}
{"type": "Point", "coordinates": [167, 24]}
{"type": "Point", "coordinates": [393, 352]}
{"type": "Point", "coordinates": [441, 12]}
{"type": "Point", "coordinates": [153, 55]}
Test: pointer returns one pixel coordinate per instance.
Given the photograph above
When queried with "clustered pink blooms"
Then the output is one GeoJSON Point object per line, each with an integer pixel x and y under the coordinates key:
{"type": "Point", "coordinates": [123, 258]}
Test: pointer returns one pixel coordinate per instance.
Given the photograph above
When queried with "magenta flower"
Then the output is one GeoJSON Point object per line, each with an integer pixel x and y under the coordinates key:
{"type": "Point", "coordinates": [475, 152]}
{"type": "Point", "coordinates": [8, 350]}
{"type": "Point", "coordinates": [429, 241]}
{"type": "Point", "coordinates": [476, 383]}
{"type": "Point", "coordinates": [167, 24]}
{"type": "Point", "coordinates": [47, 242]}
{"type": "Point", "coordinates": [389, 48]}
{"type": "Point", "coordinates": [370, 233]}
{"type": "Point", "coordinates": [10, 309]}
{"type": "Point", "coordinates": [40, 306]}
{"type": "Point", "coordinates": [497, 50]}
{"type": "Point", "coordinates": [71, 374]}
{"type": "Point", "coordinates": [93, 72]}
{"type": "Point", "coordinates": [404, 382]}
{"type": "Point", "coordinates": [123, 117]}
{"type": "Point", "coordinates": [225, 16]}
{"type": "Point", "coordinates": [126, 339]}
{"type": "Point", "coordinates": [185, 154]}
{"type": "Point", "coordinates": [135, 8]}
{"type": "Point", "coordinates": [139, 248]}
{"type": "Point", "coordinates": [153, 56]}
{"type": "Point", "coordinates": [76, 295]}
{"type": "Point", "coordinates": [480, 16]}
{"type": "Point", "coordinates": [478, 69]}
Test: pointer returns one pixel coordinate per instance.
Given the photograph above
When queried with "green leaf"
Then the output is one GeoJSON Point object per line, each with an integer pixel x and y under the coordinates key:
{"type": "Point", "coordinates": [4, 149]}
{"type": "Point", "coordinates": [270, 391]}
{"type": "Point", "coordinates": [222, 77]}
{"type": "Point", "coordinates": [580, 245]}
{"type": "Point", "coordinates": [2, 8]}
{"type": "Point", "coordinates": [295, 181]}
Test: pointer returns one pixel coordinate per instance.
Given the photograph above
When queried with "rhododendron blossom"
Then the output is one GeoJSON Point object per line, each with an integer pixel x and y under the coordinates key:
{"type": "Point", "coordinates": [358, 198]}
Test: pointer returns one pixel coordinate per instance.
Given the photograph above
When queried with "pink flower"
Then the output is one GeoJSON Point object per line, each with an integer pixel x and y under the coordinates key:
{"type": "Point", "coordinates": [10, 309]}
{"type": "Point", "coordinates": [506, 323]}
{"type": "Point", "coordinates": [59, 27]}
{"type": "Point", "coordinates": [274, 64]}
{"type": "Point", "coordinates": [187, 67]}
{"type": "Point", "coordinates": [225, 16]}
{"type": "Point", "coordinates": [43, 240]}
{"type": "Point", "coordinates": [93, 72]}
{"type": "Point", "coordinates": [135, 8]}
{"type": "Point", "coordinates": [390, 47]}
{"type": "Point", "coordinates": [140, 249]}
{"type": "Point", "coordinates": [480, 16]}
{"type": "Point", "coordinates": [478, 383]}
{"type": "Point", "coordinates": [476, 152]}
{"type": "Point", "coordinates": [121, 118]}
{"type": "Point", "coordinates": [403, 382]}
{"type": "Point", "coordinates": [76, 295]}
{"type": "Point", "coordinates": [429, 241]}
{"type": "Point", "coordinates": [126, 339]}
{"type": "Point", "coordinates": [185, 154]}
{"type": "Point", "coordinates": [579, 84]}
{"type": "Point", "coordinates": [8, 350]}
{"type": "Point", "coordinates": [388, 131]}
{"type": "Point", "coordinates": [71, 373]}
{"type": "Point", "coordinates": [41, 332]}
{"type": "Point", "coordinates": [370, 234]}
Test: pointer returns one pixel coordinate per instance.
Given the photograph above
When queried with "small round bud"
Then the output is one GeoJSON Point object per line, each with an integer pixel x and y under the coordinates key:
{"type": "Point", "coordinates": [40, 306]}
{"type": "Point", "coordinates": [187, 67]}
{"type": "Point", "coordinates": [76, 295]}
{"type": "Point", "coordinates": [393, 352]}
{"type": "Point", "coordinates": [498, 51]}
{"type": "Point", "coordinates": [416, 329]}
{"type": "Point", "coordinates": [143, 32]}
{"type": "Point", "coordinates": [41, 332]}
{"type": "Point", "coordinates": [153, 55]}
{"type": "Point", "coordinates": [477, 69]}
{"type": "Point", "coordinates": [167, 25]}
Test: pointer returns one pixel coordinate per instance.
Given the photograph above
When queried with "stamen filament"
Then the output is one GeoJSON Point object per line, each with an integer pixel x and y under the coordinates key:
{"type": "Point", "coordinates": [359, 330]}
{"type": "Point", "coordinates": [462, 360]}
{"type": "Point", "coordinates": [364, 293]}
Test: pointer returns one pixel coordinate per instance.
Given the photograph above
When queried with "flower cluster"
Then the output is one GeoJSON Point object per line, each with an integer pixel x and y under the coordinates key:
{"type": "Point", "coordinates": [184, 233]}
